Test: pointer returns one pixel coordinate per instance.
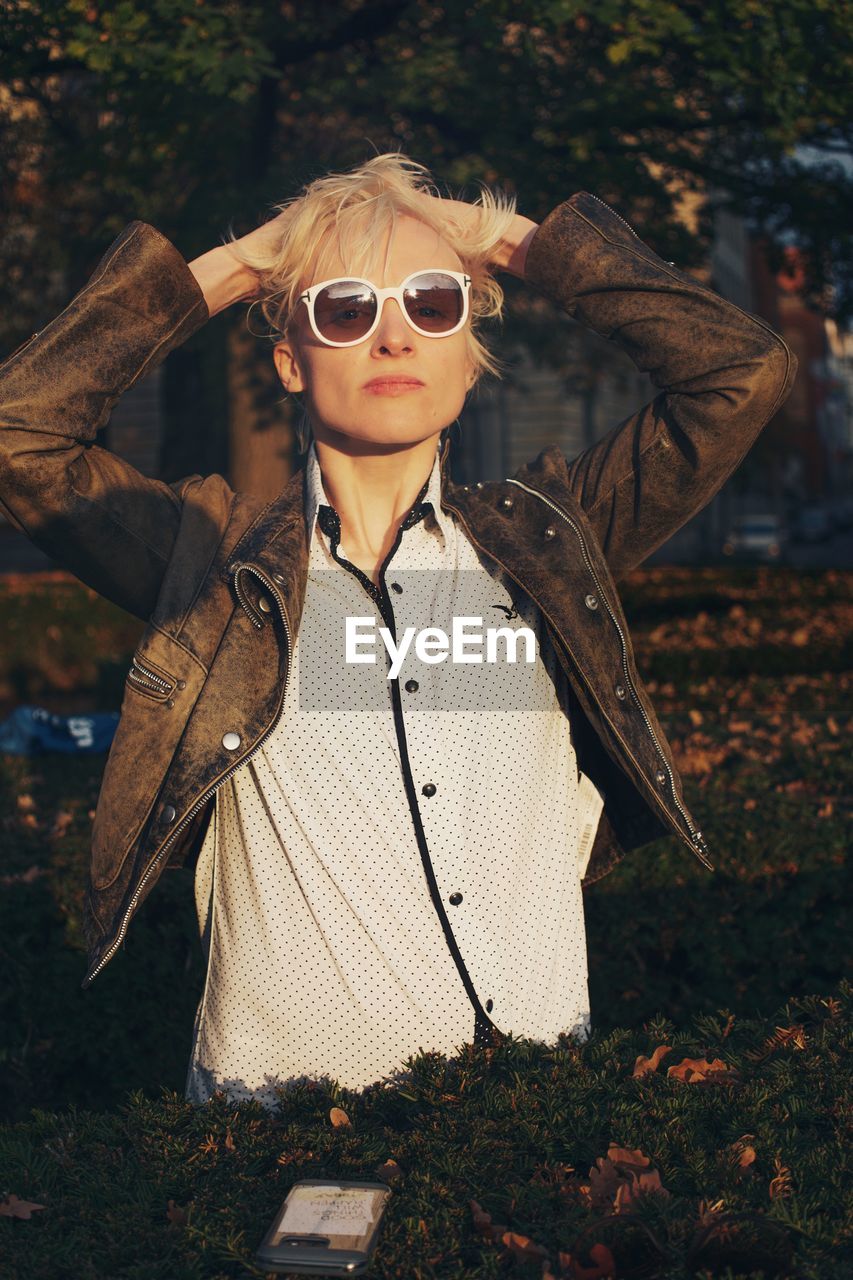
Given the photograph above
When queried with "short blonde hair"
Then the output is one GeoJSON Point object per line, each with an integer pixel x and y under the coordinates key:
{"type": "Point", "coordinates": [351, 212]}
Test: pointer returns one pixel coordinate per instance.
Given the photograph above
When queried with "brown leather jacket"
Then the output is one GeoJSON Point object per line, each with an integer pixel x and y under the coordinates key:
{"type": "Point", "coordinates": [219, 577]}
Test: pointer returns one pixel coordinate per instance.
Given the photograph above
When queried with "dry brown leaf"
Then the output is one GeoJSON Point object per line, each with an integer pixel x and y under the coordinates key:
{"type": "Point", "coordinates": [522, 1246]}
{"type": "Point", "coordinates": [629, 1192]}
{"type": "Point", "coordinates": [26, 803]}
{"type": "Point", "coordinates": [390, 1171]}
{"type": "Point", "coordinates": [175, 1213]}
{"type": "Point", "coordinates": [708, 1211]}
{"type": "Point", "coordinates": [622, 1168]}
{"type": "Point", "coordinates": [781, 1185]}
{"type": "Point", "coordinates": [13, 1207]}
{"type": "Point", "coordinates": [744, 1152]}
{"type": "Point", "coordinates": [696, 1069]}
{"type": "Point", "coordinates": [604, 1264]}
{"type": "Point", "coordinates": [795, 1036]}
{"type": "Point", "coordinates": [229, 1141]}
{"type": "Point", "coordinates": [832, 726]}
{"type": "Point", "coordinates": [696, 717]}
{"type": "Point", "coordinates": [642, 1065]}
{"type": "Point", "coordinates": [339, 1118]}
{"type": "Point", "coordinates": [483, 1222]}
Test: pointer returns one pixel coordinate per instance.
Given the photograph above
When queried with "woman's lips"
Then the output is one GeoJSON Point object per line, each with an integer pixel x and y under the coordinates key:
{"type": "Point", "coordinates": [392, 386]}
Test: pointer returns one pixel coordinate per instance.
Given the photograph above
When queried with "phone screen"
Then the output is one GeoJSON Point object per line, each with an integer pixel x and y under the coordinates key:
{"type": "Point", "coordinates": [342, 1216]}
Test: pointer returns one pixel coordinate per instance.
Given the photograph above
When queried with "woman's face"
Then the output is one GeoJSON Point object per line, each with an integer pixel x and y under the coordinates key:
{"type": "Point", "coordinates": [333, 379]}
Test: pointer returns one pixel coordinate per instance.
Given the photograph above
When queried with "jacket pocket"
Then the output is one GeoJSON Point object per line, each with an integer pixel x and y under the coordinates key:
{"type": "Point", "coordinates": [150, 679]}
{"type": "Point", "coordinates": [160, 692]}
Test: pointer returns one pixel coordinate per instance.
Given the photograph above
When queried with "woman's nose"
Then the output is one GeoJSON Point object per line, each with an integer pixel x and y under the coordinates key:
{"type": "Point", "coordinates": [393, 329]}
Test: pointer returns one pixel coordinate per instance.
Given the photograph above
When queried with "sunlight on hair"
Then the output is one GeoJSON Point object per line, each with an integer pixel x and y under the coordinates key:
{"type": "Point", "coordinates": [350, 213]}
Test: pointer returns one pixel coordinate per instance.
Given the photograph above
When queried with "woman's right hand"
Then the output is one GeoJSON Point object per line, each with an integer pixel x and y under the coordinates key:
{"type": "Point", "coordinates": [224, 279]}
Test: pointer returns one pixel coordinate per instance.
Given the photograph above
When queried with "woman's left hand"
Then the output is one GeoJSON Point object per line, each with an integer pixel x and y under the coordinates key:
{"type": "Point", "coordinates": [508, 254]}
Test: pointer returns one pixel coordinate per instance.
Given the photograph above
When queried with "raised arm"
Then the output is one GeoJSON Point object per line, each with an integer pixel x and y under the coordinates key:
{"type": "Point", "coordinates": [87, 508]}
{"type": "Point", "coordinates": [722, 374]}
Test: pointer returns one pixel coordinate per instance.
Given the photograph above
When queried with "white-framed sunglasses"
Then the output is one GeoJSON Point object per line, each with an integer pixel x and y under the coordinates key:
{"type": "Point", "coordinates": [346, 310]}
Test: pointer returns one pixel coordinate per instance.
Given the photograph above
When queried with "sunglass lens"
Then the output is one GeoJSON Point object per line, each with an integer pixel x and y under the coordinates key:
{"type": "Point", "coordinates": [434, 301]}
{"type": "Point", "coordinates": [344, 311]}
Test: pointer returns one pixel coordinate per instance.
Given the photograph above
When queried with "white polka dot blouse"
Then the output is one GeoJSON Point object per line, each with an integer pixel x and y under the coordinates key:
{"type": "Point", "coordinates": [398, 869]}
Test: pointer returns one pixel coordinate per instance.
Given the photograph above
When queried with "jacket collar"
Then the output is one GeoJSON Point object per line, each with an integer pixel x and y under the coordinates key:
{"type": "Point", "coordinates": [277, 539]}
{"type": "Point", "coordinates": [316, 499]}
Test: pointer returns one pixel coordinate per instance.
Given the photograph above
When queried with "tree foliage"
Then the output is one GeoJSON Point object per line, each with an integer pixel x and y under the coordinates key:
{"type": "Point", "coordinates": [191, 113]}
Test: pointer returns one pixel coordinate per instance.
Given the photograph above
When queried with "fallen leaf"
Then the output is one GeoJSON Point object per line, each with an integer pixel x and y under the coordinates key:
{"type": "Point", "coordinates": [708, 1211]}
{"type": "Point", "coordinates": [229, 1141]}
{"type": "Point", "coordinates": [176, 1214]}
{"type": "Point", "coordinates": [389, 1171]}
{"type": "Point", "coordinates": [604, 1264]}
{"type": "Point", "coordinates": [642, 1065]}
{"type": "Point", "coordinates": [12, 1207]}
{"type": "Point", "coordinates": [744, 1151]}
{"type": "Point", "coordinates": [696, 1069]}
{"type": "Point", "coordinates": [629, 1193]}
{"type": "Point", "coordinates": [619, 1179]}
{"type": "Point", "coordinates": [26, 803]}
{"type": "Point", "coordinates": [339, 1118]}
{"type": "Point", "coordinates": [780, 1186]}
{"type": "Point", "coordinates": [522, 1246]}
{"type": "Point", "coordinates": [483, 1222]}
{"type": "Point", "coordinates": [795, 1036]}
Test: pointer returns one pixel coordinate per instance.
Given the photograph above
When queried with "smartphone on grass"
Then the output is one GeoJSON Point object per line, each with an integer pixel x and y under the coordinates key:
{"type": "Point", "coordinates": [325, 1227]}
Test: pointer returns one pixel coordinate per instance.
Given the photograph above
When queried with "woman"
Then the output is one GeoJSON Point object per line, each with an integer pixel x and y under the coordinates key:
{"type": "Point", "coordinates": [389, 853]}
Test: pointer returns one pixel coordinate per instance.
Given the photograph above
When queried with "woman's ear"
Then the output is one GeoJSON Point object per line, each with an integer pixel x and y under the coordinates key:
{"type": "Point", "coordinates": [287, 366]}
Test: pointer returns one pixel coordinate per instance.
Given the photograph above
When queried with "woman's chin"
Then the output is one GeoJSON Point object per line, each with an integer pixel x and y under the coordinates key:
{"type": "Point", "coordinates": [377, 435]}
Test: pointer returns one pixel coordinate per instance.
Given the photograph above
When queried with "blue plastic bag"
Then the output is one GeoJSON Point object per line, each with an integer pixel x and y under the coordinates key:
{"type": "Point", "coordinates": [32, 731]}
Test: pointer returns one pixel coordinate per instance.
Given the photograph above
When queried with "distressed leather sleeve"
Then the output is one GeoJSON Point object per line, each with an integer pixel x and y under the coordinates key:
{"type": "Point", "coordinates": [722, 374]}
{"type": "Point", "coordinates": [94, 513]}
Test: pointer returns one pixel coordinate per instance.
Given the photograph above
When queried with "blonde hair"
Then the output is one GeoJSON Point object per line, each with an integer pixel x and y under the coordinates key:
{"type": "Point", "coordinates": [351, 212]}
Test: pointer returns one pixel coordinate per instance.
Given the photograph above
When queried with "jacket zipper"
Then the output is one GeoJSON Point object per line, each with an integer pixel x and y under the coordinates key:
{"type": "Point", "coordinates": [202, 800]}
{"type": "Point", "coordinates": [148, 679]}
{"type": "Point", "coordinates": [615, 214]}
{"type": "Point", "coordinates": [700, 848]}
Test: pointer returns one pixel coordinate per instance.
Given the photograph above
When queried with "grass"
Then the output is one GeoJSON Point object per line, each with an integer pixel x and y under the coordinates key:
{"type": "Point", "coordinates": [749, 672]}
